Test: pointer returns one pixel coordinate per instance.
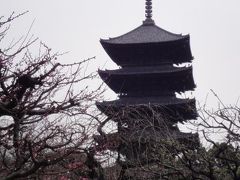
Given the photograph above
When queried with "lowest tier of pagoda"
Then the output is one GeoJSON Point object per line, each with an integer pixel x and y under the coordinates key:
{"type": "Point", "coordinates": [147, 82]}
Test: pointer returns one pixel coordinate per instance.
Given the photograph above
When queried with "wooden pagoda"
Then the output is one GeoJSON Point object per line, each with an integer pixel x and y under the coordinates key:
{"type": "Point", "coordinates": [147, 110]}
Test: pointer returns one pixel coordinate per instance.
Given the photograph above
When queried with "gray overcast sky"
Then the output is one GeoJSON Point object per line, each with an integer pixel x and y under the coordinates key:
{"type": "Point", "coordinates": [77, 26]}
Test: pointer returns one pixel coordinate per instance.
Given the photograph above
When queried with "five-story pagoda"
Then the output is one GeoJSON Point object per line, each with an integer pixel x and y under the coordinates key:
{"type": "Point", "coordinates": [155, 65]}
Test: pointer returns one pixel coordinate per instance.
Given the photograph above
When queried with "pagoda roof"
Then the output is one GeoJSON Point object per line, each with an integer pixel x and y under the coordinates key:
{"type": "Point", "coordinates": [146, 33]}
{"type": "Point", "coordinates": [149, 80]}
{"type": "Point", "coordinates": [145, 70]}
{"type": "Point", "coordinates": [143, 136]}
{"type": "Point", "coordinates": [154, 100]}
{"type": "Point", "coordinates": [171, 108]}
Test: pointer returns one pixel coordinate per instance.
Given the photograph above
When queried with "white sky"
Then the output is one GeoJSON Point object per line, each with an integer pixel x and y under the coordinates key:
{"type": "Point", "coordinates": [77, 26]}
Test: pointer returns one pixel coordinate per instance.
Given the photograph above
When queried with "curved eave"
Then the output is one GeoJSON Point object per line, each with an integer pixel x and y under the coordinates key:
{"type": "Point", "coordinates": [174, 41]}
{"type": "Point", "coordinates": [172, 80]}
{"type": "Point", "coordinates": [174, 110]}
{"type": "Point", "coordinates": [145, 101]}
{"type": "Point", "coordinates": [176, 51]}
{"type": "Point", "coordinates": [144, 70]}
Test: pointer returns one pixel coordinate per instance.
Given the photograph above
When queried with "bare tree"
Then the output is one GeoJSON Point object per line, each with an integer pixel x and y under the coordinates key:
{"type": "Point", "coordinates": [143, 142]}
{"type": "Point", "coordinates": [45, 108]}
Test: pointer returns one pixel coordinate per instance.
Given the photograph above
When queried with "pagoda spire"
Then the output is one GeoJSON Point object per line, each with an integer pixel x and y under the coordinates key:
{"type": "Point", "coordinates": [148, 13]}
{"type": "Point", "coordinates": [148, 9]}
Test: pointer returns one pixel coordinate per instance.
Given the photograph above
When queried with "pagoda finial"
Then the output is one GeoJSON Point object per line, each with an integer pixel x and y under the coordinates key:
{"type": "Point", "coordinates": [148, 11]}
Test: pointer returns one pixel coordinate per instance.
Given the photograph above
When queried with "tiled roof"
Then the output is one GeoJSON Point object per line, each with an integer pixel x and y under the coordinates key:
{"type": "Point", "coordinates": [145, 34]}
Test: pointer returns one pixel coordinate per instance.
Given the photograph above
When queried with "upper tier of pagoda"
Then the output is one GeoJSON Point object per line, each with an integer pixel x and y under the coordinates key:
{"type": "Point", "coordinates": [148, 45]}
